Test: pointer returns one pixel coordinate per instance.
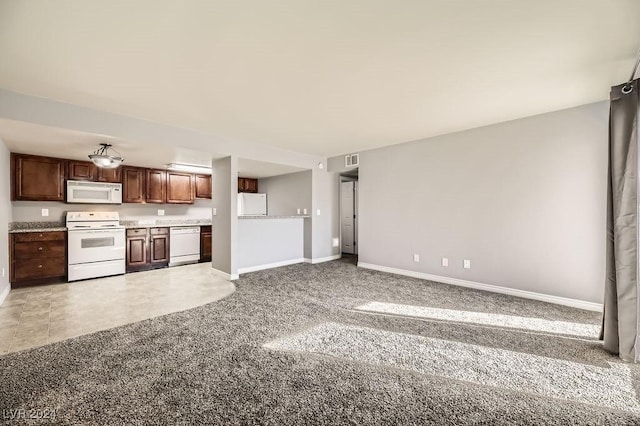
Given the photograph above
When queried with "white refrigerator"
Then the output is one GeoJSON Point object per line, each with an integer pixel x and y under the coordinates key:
{"type": "Point", "coordinates": [252, 204]}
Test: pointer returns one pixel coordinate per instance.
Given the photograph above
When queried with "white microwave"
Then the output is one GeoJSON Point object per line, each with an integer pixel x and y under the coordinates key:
{"type": "Point", "coordinates": [82, 192]}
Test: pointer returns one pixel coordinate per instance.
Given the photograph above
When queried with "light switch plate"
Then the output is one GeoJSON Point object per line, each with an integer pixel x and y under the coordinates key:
{"type": "Point", "coordinates": [416, 257]}
{"type": "Point", "coordinates": [445, 261]}
{"type": "Point", "coordinates": [304, 211]}
{"type": "Point", "coordinates": [336, 242]}
{"type": "Point", "coordinates": [298, 211]}
{"type": "Point", "coordinates": [215, 211]}
{"type": "Point", "coordinates": [467, 264]}
{"type": "Point", "coordinates": [318, 212]}
{"type": "Point", "coordinates": [45, 212]}
{"type": "Point", "coordinates": [160, 212]}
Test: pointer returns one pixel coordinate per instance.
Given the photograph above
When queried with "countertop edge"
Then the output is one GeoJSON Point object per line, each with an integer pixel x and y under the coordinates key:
{"type": "Point", "coordinates": [24, 231]}
{"type": "Point", "coordinates": [274, 217]}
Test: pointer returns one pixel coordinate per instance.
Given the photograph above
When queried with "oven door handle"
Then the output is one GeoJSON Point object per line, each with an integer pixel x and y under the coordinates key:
{"type": "Point", "coordinates": [98, 231]}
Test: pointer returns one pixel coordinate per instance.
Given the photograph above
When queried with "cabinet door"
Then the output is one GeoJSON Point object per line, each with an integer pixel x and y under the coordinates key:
{"type": "Point", "coordinates": [110, 175]}
{"type": "Point", "coordinates": [241, 184]}
{"type": "Point", "coordinates": [156, 186]}
{"type": "Point", "coordinates": [203, 186]}
{"type": "Point", "coordinates": [179, 188]}
{"type": "Point", "coordinates": [159, 249]}
{"type": "Point", "coordinates": [137, 250]}
{"type": "Point", "coordinates": [251, 185]}
{"type": "Point", "coordinates": [205, 244]}
{"type": "Point", "coordinates": [82, 170]}
{"type": "Point", "coordinates": [38, 178]}
{"type": "Point", "coordinates": [133, 185]}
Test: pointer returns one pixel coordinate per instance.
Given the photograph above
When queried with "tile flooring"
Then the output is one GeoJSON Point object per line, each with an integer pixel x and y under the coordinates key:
{"type": "Point", "coordinates": [36, 316]}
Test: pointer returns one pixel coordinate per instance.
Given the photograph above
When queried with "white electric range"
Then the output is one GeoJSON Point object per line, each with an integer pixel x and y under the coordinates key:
{"type": "Point", "coordinates": [96, 245]}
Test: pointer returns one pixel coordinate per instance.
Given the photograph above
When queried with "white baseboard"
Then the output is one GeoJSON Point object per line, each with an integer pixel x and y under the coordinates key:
{"type": "Point", "coordinates": [574, 303]}
{"type": "Point", "coordinates": [269, 265]}
{"type": "Point", "coordinates": [322, 259]}
{"type": "Point", "coordinates": [226, 276]}
{"type": "Point", "coordinates": [5, 293]}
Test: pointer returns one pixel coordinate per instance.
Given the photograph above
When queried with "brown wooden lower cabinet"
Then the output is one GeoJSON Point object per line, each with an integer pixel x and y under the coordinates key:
{"type": "Point", "coordinates": [147, 249]}
{"type": "Point", "coordinates": [37, 258]}
{"type": "Point", "coordinates": [205, 244]}
{"type": "Point", "coordinates": [159, 246]}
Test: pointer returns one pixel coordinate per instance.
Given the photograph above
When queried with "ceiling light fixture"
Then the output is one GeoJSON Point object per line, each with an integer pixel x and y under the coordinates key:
{"type": "Point", "coordinates": [191, 168]}
{"type": "Point", "coordinates": [101, 157]}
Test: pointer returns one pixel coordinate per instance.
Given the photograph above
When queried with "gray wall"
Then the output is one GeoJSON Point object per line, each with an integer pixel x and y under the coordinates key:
{"type": "Point", "coordinates": [288, 193]}
{"type": "Point", "coordinates": [224, 223]}
{"type": "Point", "coordinates": [5, 218]}
{"type": "Point", "coordinates": [268, 241]}
{"type": "Point", "coordinates": [326, 226]}
{"type": "Point", "coordinates": [27, 211]}
{"type": "Point", "coordinates": [523, 200]}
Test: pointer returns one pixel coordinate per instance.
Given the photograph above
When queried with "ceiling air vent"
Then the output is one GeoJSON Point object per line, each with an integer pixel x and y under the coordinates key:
{"type": "Point", "coordinates": [351, 160]}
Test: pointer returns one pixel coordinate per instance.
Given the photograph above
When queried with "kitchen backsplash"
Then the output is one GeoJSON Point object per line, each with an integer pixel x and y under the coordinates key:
{"type": "Point", "coordinates": [31, 211]}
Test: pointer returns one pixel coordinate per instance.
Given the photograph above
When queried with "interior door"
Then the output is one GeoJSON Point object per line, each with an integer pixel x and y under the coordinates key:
{"type": "Point", "coordinates": [347, 219]}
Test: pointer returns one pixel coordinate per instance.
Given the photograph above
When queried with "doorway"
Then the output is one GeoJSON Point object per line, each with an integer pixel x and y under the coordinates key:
{"type": "Point", "coordinates": [349, 213]}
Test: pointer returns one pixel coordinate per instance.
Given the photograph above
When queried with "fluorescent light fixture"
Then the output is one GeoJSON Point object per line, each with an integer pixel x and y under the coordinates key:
{"type": "Point", "coordinates": [191, 168]}
{"type": "Point", "coordinates": [102, 158]}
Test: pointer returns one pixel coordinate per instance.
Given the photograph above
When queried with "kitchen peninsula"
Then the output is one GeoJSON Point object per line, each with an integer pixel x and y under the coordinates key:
{"type": "Point", "coordinates": [270, 241]}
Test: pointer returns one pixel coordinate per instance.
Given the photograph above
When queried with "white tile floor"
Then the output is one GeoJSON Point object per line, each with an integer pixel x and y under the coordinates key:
{"type": "Point", "coordinates": [36, 316]}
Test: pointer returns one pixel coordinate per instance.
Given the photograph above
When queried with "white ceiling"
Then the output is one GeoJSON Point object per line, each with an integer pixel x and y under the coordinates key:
{"type": "Point", "coordinates": [29, 138]}
{"type": "Point", "coordinates": [322, 77]}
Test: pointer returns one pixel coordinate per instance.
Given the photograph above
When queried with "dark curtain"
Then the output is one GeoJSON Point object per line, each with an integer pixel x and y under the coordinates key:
{"type": "Point", "coordinates": [620, 317]}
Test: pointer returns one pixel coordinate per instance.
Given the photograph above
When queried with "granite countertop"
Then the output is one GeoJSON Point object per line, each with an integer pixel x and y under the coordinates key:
{"type": "Point", "coordinates": [274, 217]}
{"type": "Point", "coordinates": [164, 223]}
{"type": "Point", "coordinates": [22, 227]}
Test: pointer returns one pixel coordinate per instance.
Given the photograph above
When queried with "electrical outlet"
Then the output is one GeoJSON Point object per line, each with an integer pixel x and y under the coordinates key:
{"type": "Point", "coordinates": [336, 242]}
{"type": "Point", "coordinates": [445, 261]}
{"type": "Point", "coordinates": [467, 264]}
{"type": "Point", "coordinates": [3, 272]}
{"type": "Point", "coordinates": [215, 211]}
{"type": "Point", "coordinates": [160, 212]}
{"type": "Point", "coordinates": [318, 212]}
{"type": "Point", "coordinates": [298, 211]}
{"type": "Point", "coordinates": [45, 212]}
{"type": "Point", "coordinates": [304, 211]}
{"type": "Point", "coordinates": [416, 257]}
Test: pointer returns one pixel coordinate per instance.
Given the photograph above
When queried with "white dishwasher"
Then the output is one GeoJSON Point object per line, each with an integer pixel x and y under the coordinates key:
{"type": "Point", "coordinates": [184, 245]}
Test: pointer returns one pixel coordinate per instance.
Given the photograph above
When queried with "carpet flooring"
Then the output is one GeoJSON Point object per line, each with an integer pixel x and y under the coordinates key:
{"type": "Point", "coordinates": [290, 346]}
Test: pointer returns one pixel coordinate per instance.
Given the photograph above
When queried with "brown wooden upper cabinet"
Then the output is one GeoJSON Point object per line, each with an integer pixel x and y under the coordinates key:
{"type": "Point", "coordinates": [179, 188]}
{"type": "Point", "coordinates": [36, 178]}
{"type": "Point", "coordinates": [203, 186]}
{"type": "Point", "coordinates": [156, 189]}
{"type": "Point", "coordinates": [110, 175]}
{"type": "Point", "coordinates": [86, 170]}
{"type": "Point", "coordinates": [82, 170]}
{"type": "Point", "coordinates": [133, 185]}
{"type": "Point", "coordinates": [247, 185]}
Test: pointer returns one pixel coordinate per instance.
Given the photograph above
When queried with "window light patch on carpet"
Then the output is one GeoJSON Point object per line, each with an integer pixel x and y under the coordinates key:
{"type": "Point", "coordinates": [603, 386]}
{"type": "Point", "coordinates": [482, 318]}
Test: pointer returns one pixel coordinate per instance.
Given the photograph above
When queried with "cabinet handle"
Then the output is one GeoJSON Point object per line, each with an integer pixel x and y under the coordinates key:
{"type": "Point", "coordinates": [40, 266]}
{"type": "Point", "coordinates": [40, 236]}
{"type": "Point", "coordinates": [39, 248]}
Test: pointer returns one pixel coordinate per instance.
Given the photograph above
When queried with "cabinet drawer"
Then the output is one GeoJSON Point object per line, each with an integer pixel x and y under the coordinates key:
{"type": "Point", "coordinates": [34, 249]}
{"type": "Point", "coordinates": [136, 232]}
{"type": "Point", "coordinates": [159, 231]}
{"type": "Point", "coordinates": [39, 236]}
{"type": "Point", "coordinates": [39, 268]}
